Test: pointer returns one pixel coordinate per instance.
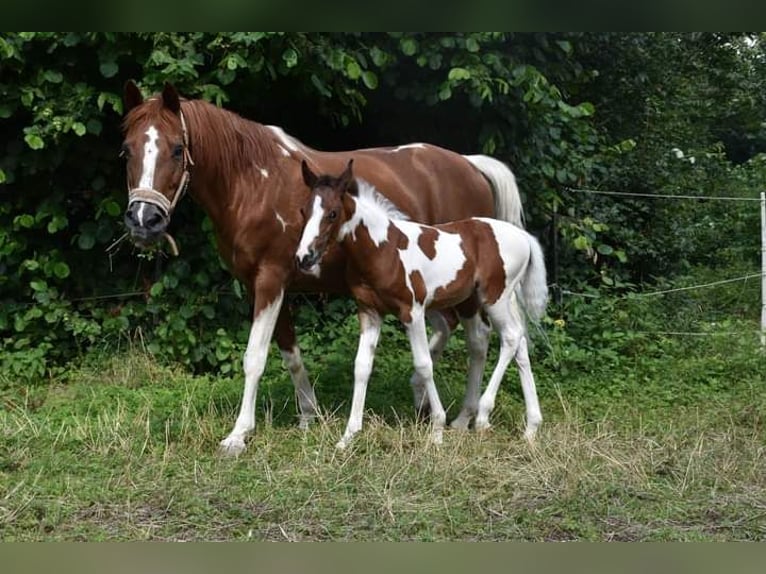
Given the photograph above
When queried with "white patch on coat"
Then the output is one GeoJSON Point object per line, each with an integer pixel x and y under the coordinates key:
{"type": "Point", "coordinates": [288, 143]}
{"type": "Point", "coordinates": [408, 146]}
{"type": "Point", "coordinates": [264, 172]}
{"type": "Point", "coordinates": [281, 220]}
{"type": "Point", "coordinates": [374, 211]}
{"type": "Point", "coordinates": [437, 272]}
{"type": "Point", "coordinates": [151, 152]}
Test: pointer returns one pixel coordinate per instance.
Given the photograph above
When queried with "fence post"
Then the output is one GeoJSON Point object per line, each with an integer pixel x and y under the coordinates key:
{"type": "Point", "coordinates": [763, 271]}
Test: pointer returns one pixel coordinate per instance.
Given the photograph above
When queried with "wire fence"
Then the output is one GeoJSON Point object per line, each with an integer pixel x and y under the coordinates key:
{"type": "Point", "coordinates": [563, 291]}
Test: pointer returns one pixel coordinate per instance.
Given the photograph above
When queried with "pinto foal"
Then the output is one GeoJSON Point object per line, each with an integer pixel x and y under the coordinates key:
{"type": "Point", "coordinates": [405, 268]}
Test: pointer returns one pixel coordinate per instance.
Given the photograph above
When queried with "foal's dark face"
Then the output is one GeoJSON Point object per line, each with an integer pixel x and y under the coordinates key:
{"type": "Point", "coordinates": [153, 150]}
{"type": "Point", "coordinates": [324, 214]}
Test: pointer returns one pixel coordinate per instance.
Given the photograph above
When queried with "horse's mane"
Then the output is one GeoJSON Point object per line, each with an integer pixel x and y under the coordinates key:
{"type": "Point", "coordinates": [219, 139]}
{"type": "Point", "coordinates": [370, 196]}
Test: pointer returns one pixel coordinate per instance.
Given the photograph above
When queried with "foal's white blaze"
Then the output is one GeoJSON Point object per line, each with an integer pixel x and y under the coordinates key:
{"type": "Point", "coordinates": [437, 272]}
{"type": "Point", "coordinates": [310, 233]}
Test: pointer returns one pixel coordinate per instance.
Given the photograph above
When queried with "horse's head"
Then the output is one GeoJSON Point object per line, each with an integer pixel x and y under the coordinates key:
{"type": "Point", "coordinates": [324, 213]}
{"type": "Point", "coordinates": [156, 151]}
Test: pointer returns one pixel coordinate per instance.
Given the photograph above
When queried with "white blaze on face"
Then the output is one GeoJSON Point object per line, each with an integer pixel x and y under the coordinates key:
{"type": "Point", "coordinates": [311, 232]}
{"type": "Point", "coordinates": [151, 152]}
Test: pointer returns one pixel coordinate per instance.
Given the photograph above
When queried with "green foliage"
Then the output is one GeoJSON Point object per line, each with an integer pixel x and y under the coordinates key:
{"type": "Point", "coordinates": [564, 110]}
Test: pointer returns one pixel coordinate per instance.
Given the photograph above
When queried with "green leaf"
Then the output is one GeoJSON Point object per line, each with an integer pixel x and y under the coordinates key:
{"type": "Point", "coordinates": [34, 141]}
{"type": "Point", "coordinates": [320, 86]}
{"type": "Point", "coordinates": [565, 45]}
{"type": "Point", "coordinates": [445, 93]}
{"type": "Point", "coordinates": [94, 126]}
{"type": "Point", "coordinates": [109, 69]}
{"type": "Point", "coordinates": [605, 249]}
{"type": "Point", "coordinates": [379, 57]}
{"type": "Point", "coordinates": [581, 242]}
{"type": "Point", "coordinates": [157, 289]}
{"type": "Point", "coordinates": [290, 57]}
{"type": "Point", "coordinates": [53, 77]}
{"type": "Point", "coordinates": [79, 128]}
{"type": "Point", "coordinates": [86, 241]}
{"type": "Point", "coordinates": [38, 285]}
{"type": "Point", "coordinates": [2, 176]}
{"type": "Point", "coordinates": [370, 79]}
{"type": "Point", "coordinates": [112, 208]}
{"type": "Point", "coordinates": [61, 270]}
{"type": "Point", "coordinates": [458, 74]}
{"type": "Point", "coordinates": [408, 46]}
{"type": "Point", "coordinates": [471, 45]}
{"type": "Point", "coordinates": [353, 70]}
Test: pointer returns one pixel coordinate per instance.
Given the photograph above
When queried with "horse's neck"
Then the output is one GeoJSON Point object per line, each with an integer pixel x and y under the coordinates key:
{"type": "Point", "coordinates": [226, 149]}
{"type": "Point", "coordinates": [374, 243]}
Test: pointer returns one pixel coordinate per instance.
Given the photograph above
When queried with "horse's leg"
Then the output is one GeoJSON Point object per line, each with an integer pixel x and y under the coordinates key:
{"type": "Point", "coordinates": [268, 295]}
{"type": "Point", "coordinates": [505, 322]}
{"type": "Point", "coordinates": [534, 416]}
{"type": "Point", "coordinates": [477, 341]}
{"type": "Point", "coordinates": [421, 358]}
{"type": "Point", "coordinates": [443, 323]}
{"type": "Point", "coordinates": [291, 355]}
{"type": "Point", "coordinates": [369, 325]}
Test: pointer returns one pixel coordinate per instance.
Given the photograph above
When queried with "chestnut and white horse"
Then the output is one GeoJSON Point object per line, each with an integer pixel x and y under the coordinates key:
{"type": "Point", "coordinates": [477, 266]}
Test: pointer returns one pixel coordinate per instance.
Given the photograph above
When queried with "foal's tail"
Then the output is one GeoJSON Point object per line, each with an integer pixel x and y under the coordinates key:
{"type": "Point", "coordinates": [534, 285]}
{"type": "Point", "coordinates": [503, 182]}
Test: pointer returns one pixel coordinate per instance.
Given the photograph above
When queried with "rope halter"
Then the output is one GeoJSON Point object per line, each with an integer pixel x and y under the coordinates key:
{"type": "Point", "coordinates": [148, 195]}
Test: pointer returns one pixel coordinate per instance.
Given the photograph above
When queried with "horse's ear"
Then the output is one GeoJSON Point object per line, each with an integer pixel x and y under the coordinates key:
{"type": "Point", "coordinates": [170, 98]}
{"type": "Point", "coordinates": [347, 177]}
{"type": "Point", "coordinates": [309, 177]}
{"type": "Point", "coordinates": [131, 96]}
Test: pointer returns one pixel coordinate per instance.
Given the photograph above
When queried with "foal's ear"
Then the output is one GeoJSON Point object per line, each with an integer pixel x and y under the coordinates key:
{"type": "Point", "coordinates": [131, 96]}
{"type": "Point", "coordinates": [346, 179]}
{"type": "Point", "coordinates": [309, 177]}
{"type": "Point", "coordinates": [170, 98]}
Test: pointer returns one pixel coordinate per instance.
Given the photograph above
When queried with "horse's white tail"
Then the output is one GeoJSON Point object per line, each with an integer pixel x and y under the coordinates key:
{"type": "Point", "coordinates": [507, 199]}
{"type": "Point", "coordinates": [534, 285]}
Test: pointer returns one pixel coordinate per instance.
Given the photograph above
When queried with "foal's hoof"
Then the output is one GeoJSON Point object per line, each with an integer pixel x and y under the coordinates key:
{"type": "Point", "coordinates": [482, 426]}
{"type": "Point", "coordinates": [232, 447]}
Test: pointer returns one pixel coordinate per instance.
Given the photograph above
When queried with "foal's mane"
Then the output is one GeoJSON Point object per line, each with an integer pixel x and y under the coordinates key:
{"type": "Point", "coordinates": [370, 196]}
{"type": "Point", "coordinates": [219, 139]}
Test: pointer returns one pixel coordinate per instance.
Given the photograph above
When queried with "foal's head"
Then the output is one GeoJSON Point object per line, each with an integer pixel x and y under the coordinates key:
{"type": "Point", "coordinates": [157, 157]}
{"type": "Point", "coordinates": [324, 213]}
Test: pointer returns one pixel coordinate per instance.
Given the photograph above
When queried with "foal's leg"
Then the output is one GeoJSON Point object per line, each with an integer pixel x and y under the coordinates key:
{"type": "Point", "coordinates": [369, 323]}
{"type": "Point", "coordinates": [291, 355]}
{"type": "Point", "coordinates": [268, 301]}
{"type": "Point", "coordinates": [443, 327]}
{"type": "Point", "coordinates": [513, 342]}
{"type": "Point", "coordinates": [510, 332]}
{"type": "Point", "coordinates": [477, 341]}
{"type": "Point", "coordinates": [421, 357]}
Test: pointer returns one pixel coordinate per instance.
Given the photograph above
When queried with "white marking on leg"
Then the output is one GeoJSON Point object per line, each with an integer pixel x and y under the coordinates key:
{"type": "Point", "coordinates": [421, 359]}
{"type": "Point", "coordinates": [534, 416]}
{"type": "Point", "coordinates": [151, 152]}
{"type": "Point", "coordinates": [477, 341]}
{"type": "Point", "coordinates": [254, 363]}
{"type": "Point", "coordinates": [307, 402]}
{"type": "Point", "coordinates": [436, 344]}
{"type": "Point", "coordinates": [510, 331]}
{"type": "Point", "coordinates": [369, 324]}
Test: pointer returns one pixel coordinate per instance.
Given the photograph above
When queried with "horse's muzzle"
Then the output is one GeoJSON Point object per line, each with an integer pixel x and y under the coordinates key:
{"type": "Point", "coordinates": [146, 223]}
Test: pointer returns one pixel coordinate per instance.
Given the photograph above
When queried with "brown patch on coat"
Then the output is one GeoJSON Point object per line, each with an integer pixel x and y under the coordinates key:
{"type": "Point", "coordinates": [427, 241]}
{"type": "Point", "coordinates": [418, 286]}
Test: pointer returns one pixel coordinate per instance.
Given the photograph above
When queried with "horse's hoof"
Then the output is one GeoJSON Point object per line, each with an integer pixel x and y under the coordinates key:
{"type": "Point", "coordinates": [460, 424]}
{"type": "Point", "coordinates": [482, 426]}
{"type": "Point", "coordinates": [232, 446]}
{"type": "Point", "coordinates": [341, 444]}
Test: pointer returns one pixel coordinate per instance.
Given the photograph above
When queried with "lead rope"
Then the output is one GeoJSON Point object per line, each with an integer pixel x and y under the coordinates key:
{"type": "Point", "coordinates": [167, 206]}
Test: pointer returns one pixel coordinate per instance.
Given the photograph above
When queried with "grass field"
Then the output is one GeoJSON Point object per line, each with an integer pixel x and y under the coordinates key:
{"type": "Point", "coordinates": [661, 448]}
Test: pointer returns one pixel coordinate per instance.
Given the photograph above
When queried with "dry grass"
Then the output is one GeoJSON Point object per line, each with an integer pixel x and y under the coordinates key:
{"type": "Point", "coordinates": [128, 452]}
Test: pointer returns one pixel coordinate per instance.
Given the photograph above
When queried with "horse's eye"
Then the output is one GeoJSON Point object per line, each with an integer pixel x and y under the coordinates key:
{"type": "Point", "coordinates": [332, 215]}
{"type": "Point", "coordinates": [124, 151]}
{"type": "Point", "coordinates": [178, 151]}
